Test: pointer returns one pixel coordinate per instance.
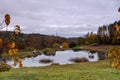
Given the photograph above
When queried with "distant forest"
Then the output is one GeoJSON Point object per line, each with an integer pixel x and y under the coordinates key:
{"type": "Point", "coordinates": [34, 41]}
{"type": "Point", "coordinates": [106, 34]}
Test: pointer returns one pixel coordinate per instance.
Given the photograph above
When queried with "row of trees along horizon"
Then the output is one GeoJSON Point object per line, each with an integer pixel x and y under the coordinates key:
{"type": "Point", "coordinates": [106, 34]}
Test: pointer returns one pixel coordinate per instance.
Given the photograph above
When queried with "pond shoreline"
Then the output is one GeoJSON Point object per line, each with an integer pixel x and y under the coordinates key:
{"type": "Point", "coordinates": [62, 58]}
{"type": "Point", "coordinates": [99, 48]}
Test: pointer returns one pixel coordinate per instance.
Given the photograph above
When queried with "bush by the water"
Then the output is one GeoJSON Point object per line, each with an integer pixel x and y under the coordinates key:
{"type": "Point", "coordinates": [4, 67]}
{"type": "Point", "coordinates": [46, 60]}
{"type": "Point", "coordinates": [77, 60]}
{"type": "Point", "coordinates": [49, 51]}
{"type": "Point", "coordinates": [76, 49]}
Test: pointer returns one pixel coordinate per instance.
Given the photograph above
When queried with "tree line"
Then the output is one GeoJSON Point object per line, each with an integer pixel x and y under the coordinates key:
{"type": "Point", "coordinates": [106, 34]}
{"type": "Point", "coordinates": [35, 41]}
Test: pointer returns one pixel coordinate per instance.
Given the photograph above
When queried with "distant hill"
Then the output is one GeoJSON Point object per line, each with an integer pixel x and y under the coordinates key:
{"type": "Point", "coordinates": [34, 40]}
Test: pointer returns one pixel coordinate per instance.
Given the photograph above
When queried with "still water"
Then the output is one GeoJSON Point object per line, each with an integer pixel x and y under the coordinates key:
{"type": "Point", "coordinates": [61, 58]}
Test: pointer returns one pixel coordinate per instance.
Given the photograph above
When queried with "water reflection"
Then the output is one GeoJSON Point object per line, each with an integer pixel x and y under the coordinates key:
{"type": "Point", "coordinates": [61, 57]}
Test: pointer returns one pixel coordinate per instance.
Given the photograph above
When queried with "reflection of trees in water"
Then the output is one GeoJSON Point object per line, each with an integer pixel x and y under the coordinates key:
{"type": "Point", "coordinates": [91, 54]}
{"type": "Point", "coordinates": [102, 55]}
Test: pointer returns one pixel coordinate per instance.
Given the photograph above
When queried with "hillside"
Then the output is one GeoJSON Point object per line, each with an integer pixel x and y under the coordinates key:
{"type": "Point", "coordinates": [34, 40]}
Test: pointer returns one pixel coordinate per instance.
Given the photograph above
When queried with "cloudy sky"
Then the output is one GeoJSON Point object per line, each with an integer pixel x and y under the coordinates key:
{"type": "Point", "coordinates": [67, 18]}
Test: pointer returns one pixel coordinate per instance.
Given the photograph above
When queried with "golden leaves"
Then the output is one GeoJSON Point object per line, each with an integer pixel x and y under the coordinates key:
{"type": "Point", "coordinates": [113, 63]}
{"type": "Point", "coordinates": [7, 19]}
{"type": "Point", "coordinates": [12, 45]}
{"type": "Point", "coordinates": [65, 46]}
{"type": "Point", "coordinates": [15, 58]}
{"type": "Point", "coordinates": [20, 63]}
{"type": "Point", "coordinates": [114, 55]}
{"type": "Point", "coordinates": [1, 41]}
{"type": "Point", "coordinates": [17, 29]}
{"type": "Point", "coordinates": [18, 60]}
{"type": "Point", "coordinates": [55, 45]}
{"type": "Point", "coordinates": [11, 48]}
{"type": "Point", "coordinates": [118, 68]}
{"type": "Point", "coordinates": [7, 44]}
{"type": "Point", "coordinates": [12, 51]}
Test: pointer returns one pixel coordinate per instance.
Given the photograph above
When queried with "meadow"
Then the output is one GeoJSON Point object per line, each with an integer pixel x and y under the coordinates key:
{"type": "Point", "coordinates": [99, 70]}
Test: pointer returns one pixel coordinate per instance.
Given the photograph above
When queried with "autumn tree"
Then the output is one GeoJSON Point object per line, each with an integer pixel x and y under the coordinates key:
{"type": "Point", "coordinates": [55, 45]}
{"type": "Point", "coordinates": [109, 34]}
{"type": "Point", "coordinates": [7, 42]}
{"type": "Point", "coordinates": [80, 41]}
{"type": "Point", "coordinates": [65, 46]}
{"type": "Point", "coordinates": [116, 36]}
{"type": "Point", "coordinates": [114, 55]}
{"type": "Point", "coordinates": [91, 38]}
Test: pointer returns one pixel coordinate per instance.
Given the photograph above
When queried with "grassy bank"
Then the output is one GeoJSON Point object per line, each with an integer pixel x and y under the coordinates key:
{"type": "Point", "coordinates": [20, 54]}
{"type": "Point", "coordinates": [101, 48]}
{"type": "Point", "coordinates": [82, 71]}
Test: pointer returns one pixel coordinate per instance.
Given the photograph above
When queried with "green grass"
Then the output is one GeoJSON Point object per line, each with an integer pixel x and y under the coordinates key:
{"type": "Point", "coordinates": [100, 70]}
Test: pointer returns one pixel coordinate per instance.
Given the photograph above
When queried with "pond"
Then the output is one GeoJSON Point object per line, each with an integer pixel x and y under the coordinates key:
{"type": "Point", "coordinates": [61, 58]}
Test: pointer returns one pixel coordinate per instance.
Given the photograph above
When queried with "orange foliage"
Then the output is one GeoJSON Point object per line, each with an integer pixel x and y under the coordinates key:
{"type": "Point", "coordinates": [20, 63]}
{"type": "Point", "coordinates": [7, 43]}
{"type": "Point", "coordinates": [1, 42]}
{"type": "Point", "coordinates": [116, 37]}
{"type": "Point", "coordinates": [7, 19]}
{"type": "Point", "coordinates": [55, 45]}
{"type": "Point", "coordinates": [17, 29]}
{"type": "Point", "coordinates": [114, 55]}
{"type": "Point", "coordinates": [65, 46]}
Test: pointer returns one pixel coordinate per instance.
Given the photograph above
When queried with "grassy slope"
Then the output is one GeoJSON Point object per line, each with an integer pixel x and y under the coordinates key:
{"type": "Point", "coordinates": [103, 48]}
{"type": "Point", "coordinates": [83, 71]}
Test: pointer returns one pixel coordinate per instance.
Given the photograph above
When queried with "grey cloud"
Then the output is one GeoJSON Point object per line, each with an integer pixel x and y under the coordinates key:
{"type": "Point", "coordinates": [67, 17]}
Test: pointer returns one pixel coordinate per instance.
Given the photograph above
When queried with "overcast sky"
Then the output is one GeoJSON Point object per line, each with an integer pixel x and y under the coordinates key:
{"type": "Point", "coordinates": [67, 18]}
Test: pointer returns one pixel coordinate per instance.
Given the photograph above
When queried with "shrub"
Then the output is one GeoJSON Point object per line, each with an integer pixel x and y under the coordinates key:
{"type": "Point", "coordinates": [4, 67]}
{"type": "Point", "coordinates": [46, 60]}
{"type": "Point", "coordinates": [49, 51]}
{"type": "Point", "coordinates": [79, 60]}
{"type": "Point", "coordinates": [114, 55]}
{"type": "Point", "coordinates": [65, 46]}
{"type": "Point", "coordinates": [55, 45]}
{"type": "Point", "coordinates": [76, 49]}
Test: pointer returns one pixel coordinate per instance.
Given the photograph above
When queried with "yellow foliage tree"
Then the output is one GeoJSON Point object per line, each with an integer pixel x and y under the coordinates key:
{"type": "Point", "coordinates": [116, 38]}
{"type": "Point", "coordinates": [65, 46]}
{"type": "Point", "coordinates": [114, 55]}
{"type": "Point", "coordinates": [7, 44]}
{"type": "Point", "coordinates": [55, 45]}
{"type": "Point", "coordinates": [87, 43]}
{"type": "Point", "coordinates": [91, 38]}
